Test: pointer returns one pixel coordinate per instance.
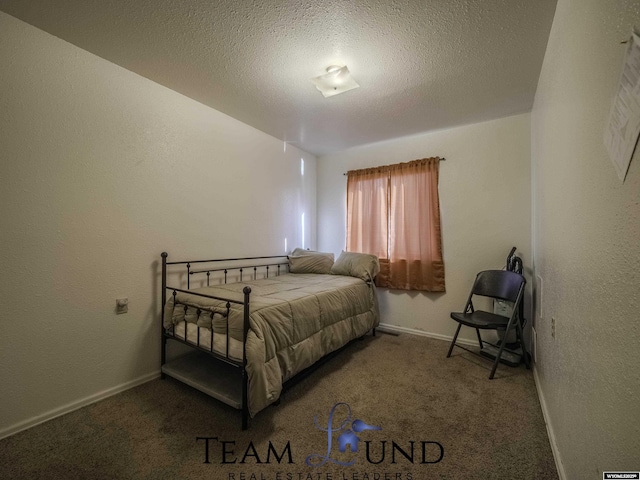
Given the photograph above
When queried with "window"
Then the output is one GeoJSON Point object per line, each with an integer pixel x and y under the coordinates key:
{"type": "Point", "coordinates": [394, 212]}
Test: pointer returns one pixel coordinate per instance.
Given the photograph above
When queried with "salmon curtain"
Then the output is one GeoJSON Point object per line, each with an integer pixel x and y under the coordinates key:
{"type": "Point", "coordinates": [394, 212]}
{"type": "Point", "coordinates": [368, 211]}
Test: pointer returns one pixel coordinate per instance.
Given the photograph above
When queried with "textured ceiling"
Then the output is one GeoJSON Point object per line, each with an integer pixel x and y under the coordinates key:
{"type": "Point", "coordinates": [421, 65]}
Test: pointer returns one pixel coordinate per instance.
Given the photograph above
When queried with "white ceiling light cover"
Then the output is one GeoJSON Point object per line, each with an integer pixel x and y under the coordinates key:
{"type": "Point", "coordinates": [336, 80]}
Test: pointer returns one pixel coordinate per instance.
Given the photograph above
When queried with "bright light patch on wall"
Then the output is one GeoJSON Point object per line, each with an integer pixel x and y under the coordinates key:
{"type": "Point", "coordinates": [286, 250]}
{"type": "Point", "coordinates": [302, 229]}
{"type": "Point", "coordinates": [302, 167]}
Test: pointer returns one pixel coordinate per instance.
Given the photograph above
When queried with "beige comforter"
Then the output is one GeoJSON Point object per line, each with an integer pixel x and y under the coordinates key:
{"type": "Point", "coordinates": [295, 319]}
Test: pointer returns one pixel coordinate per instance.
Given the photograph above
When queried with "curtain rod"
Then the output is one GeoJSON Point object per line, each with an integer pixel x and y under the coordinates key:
{"type": "Point", "coordinates": [442, 160]}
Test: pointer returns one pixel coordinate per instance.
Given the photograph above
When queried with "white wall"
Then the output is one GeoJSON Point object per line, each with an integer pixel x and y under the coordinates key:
{"type": "Point", "coordinates": [586, 245]}
{"type": "Point", "coordinates": [485, 201]}
{"type": "Point", "coordinates": [101, 170]}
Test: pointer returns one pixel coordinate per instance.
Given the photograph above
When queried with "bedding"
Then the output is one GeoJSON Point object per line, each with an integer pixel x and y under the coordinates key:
{"type": "Point", "coordinates": [310, 263]}
{"type": "Point", "coordinates": [359, 265]}
{"type": "Point", "coordinates": [295, 319]}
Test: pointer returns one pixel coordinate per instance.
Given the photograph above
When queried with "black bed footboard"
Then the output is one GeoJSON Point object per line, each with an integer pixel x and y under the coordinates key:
{"type": "Point", "coordinates": [209, 378]}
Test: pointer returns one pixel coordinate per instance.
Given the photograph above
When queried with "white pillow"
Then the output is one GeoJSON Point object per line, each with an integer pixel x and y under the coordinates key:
{"type": "Point", "coordinates": [359, 265]}
{"type": "Point", "coordinates": [307, 261]}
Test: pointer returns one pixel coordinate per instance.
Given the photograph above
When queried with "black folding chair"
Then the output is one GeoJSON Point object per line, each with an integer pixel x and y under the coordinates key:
{"type": "Point", "coordinates": [501, 285]}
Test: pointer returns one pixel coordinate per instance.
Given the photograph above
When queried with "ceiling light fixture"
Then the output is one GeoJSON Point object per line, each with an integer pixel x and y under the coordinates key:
{"type": "Point", "coordinates": [336, 80]}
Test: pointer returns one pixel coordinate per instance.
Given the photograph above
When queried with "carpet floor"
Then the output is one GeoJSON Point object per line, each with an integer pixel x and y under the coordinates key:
{"type": "Point", "coordinates": [395, 405]}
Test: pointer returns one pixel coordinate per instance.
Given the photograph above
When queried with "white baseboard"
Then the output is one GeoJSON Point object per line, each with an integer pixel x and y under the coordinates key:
{"type": "Point", "coordinates": [550, 433]}
{"type": "Point", "coordinates": [386, 327]}
{"type": "Point", "coordinates": [75, 405]}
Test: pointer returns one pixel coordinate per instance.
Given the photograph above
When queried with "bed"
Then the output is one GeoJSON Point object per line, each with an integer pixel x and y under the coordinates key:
{"type": "Point", "coordinates": [252, 324]}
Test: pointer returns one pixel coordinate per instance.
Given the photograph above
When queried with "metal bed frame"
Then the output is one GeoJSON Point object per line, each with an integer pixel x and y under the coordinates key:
{"type": "Point", "coordinates": [189, 369]}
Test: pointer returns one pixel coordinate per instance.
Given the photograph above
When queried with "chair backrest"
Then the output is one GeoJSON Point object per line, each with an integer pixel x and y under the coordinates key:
{"type": "Point", "coordinates": [498, 284]}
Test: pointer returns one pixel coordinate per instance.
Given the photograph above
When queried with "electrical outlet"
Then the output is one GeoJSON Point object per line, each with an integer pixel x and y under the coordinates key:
{"type": "Point", "coordinates": [553, 327]}
{"type": "Point", "coordinates": [122, 305]}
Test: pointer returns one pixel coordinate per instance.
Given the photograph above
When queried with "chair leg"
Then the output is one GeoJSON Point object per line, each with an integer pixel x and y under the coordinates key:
{"type": "Point", "coordinates": [497, 361]}
{"type": "Point", "coordinates": [479, 338]}
{"type": "Point", "coordinates": [502, 345]}
{"type": "Point", "coordinates": [453, 342]}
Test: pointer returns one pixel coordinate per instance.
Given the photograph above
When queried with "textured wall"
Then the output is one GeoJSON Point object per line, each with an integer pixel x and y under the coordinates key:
{"type": "Point", "coordinates": [100, 171]}
{"type": "Point", "coordinates": [586, 245]}
{"type": "Point", "coordinates": [485, 201]}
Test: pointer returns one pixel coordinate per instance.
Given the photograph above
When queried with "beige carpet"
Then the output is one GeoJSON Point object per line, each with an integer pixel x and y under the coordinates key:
{"type": "Point", "coordinates": [404, 385]}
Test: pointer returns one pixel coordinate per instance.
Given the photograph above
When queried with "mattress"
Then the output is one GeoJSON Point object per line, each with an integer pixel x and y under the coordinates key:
{"type": "Point", "coordinates": [295, 319]}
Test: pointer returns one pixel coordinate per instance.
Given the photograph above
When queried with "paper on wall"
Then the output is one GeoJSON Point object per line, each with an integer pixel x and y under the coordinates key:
{"type": "Point", "coordinates": [623, 128]}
